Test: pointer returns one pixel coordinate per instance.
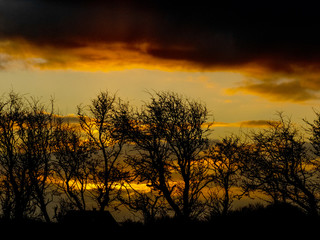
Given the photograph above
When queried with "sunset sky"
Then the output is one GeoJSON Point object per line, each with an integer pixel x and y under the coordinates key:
{"type": "Point", "coordinates": [244, 61]}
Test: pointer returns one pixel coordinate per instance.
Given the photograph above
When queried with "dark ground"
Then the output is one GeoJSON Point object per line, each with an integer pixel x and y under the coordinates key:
{"type": "Point", "coordinates": [249, 222]}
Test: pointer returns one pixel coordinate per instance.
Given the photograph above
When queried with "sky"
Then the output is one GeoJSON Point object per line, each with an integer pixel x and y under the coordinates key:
{"type": "Point", "coordinates": [244, 61]}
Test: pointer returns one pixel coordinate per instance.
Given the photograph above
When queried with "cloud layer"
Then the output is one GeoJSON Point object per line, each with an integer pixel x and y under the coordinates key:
{"type": "Point", "coordinates": [267, 42]}
{"type": "Point", "coordinates": [245, 124]}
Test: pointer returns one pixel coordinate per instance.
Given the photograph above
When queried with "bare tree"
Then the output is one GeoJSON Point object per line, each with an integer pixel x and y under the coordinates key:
{"type": "Point", "coordinates": [72, 164]}
{"type": "Point", "coordinates": [100, 126]}
{"type": "Point", "coordinates": [281, 166]}
{"type": "Point", "coordinates": [314, 131]}
{"type": "Point", "coordinates": [35, 130]}
{"type": "Point", "coordinates": [150, 205]}
{"type": "Point", "coordinates": [224, 158]}
{"type": "Point", "coordinates": [314, 137]}
{"type": "Point", "coordinates": [169, 139]}
{"type": "Point", "coordinates": [16, 188]}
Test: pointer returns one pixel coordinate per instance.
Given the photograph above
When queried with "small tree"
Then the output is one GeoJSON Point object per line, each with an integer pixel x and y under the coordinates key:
{"type": "Point", "coordinates": [169, 139]}
{"type": "Point", "coordinates": [100, 126]}
{"type": "Point", "coordinates": [25, 156]}
{"type": "Point", "coordinates": [16, 188]}
{"type": "Point", "coordinates": [224, 158]}
{"type": "Point", "coordinates": [72, 164]}
{"type": "Point", "coordinates": [35, 129]}
{"type": "Point", "coordinates": [150, 205]}
{"type": "Point", "coordinates": [314, 138]}
{"type": "Point", "coordinates": [281, 167]}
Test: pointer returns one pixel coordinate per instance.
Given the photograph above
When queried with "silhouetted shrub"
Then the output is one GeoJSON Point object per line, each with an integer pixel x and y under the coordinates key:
{"type": "Point", "coordinates": [276, 211]}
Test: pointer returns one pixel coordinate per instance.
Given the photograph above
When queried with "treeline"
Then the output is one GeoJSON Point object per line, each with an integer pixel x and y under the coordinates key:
{"type": "Point", "coordinates": [165, 145]}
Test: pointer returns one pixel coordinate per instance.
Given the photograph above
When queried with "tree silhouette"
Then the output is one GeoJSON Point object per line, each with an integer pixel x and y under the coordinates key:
{"type": "Point", "coordinates": [280, 165]}
{"type": "Point", "coordinates": [25, 148]}
{"type": "Point", "coordinates": [16, 187]}
{"type": "Point", "coordinates": [224, 158]}
{"type": "Point", "coordinates": [164, 145]}
{"type": "Point", "coordinates": [169, 140]}
{"type": "Point", "coordinates": [35, 130]}
{"type": "Point", "coordinates": [72, 165]}
{"type": "Point", "coordinates": [149, 204]}
{"type": "Point", "coordinates": [100, 126]}
{"type": "Point", "coordinates": [314, 138]}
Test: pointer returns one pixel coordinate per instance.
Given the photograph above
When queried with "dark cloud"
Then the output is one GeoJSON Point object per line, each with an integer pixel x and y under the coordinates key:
{"type": "Point", "coordinates": [204, 34]}
{"type": "Point", "coordinates": [278, 38]}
